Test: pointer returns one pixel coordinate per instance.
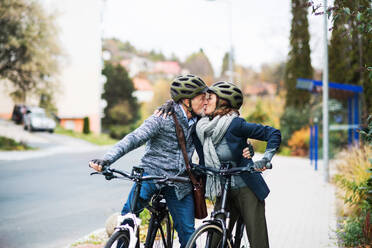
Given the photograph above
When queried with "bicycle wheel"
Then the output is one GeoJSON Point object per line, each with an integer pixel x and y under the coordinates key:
{"type": "Point", "coordinates": [161, 235]}
{"type": "Point", "coordinates": [240, 235]}
{"type": "Point", "coordinates": [119, 239]}
{"type": "Point", "coordinates": [243, 242]}
{"type": "Point", "coordinates": [207, 236]}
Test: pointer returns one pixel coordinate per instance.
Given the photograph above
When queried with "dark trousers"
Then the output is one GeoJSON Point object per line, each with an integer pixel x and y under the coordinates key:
{"type": "Point", "coordinates": [243, 202]}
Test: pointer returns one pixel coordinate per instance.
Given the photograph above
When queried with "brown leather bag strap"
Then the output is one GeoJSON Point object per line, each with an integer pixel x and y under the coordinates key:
{"type": "Point", "coordinates": [182, 142]}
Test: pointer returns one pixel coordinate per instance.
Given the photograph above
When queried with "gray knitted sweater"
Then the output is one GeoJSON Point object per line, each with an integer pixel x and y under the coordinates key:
{"type": "Point", "coordinates": [163, 155]}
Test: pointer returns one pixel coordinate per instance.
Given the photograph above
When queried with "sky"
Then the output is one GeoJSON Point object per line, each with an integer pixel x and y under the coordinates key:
{"type": "Point", "coordinates": [259, 30]}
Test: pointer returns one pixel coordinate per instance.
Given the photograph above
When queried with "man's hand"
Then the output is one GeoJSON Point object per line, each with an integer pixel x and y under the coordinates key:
{"type": "Point", "coordinates": [166, 109]}
{"type": "Point", "coordinates": [248, 152]}
{"type": "Point", "coordinates": [98, 164]}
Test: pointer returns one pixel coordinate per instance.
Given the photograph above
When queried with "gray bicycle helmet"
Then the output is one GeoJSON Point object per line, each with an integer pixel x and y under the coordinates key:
{"type": "Point", "coordinates": [187, 86]}
{"type": "Point", "coordinates": [229, 92]}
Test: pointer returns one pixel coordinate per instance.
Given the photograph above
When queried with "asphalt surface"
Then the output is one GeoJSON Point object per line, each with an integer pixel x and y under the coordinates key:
{"type": "Point", "coordinates": [51, 201]}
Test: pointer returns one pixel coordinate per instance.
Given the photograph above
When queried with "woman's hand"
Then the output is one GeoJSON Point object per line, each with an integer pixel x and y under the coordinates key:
{"type": "Point", "coordinates": [248, 152]}
{"type": "Point", "coordinates": [260, 165]}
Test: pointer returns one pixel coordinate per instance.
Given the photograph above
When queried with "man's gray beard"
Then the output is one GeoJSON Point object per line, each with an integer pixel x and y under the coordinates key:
{"type": "Point", "coordinates": [202, 114]}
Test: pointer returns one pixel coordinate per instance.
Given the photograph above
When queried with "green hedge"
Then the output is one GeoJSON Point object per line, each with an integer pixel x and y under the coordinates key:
{"type": "Point", "coordinates": [8, 144]}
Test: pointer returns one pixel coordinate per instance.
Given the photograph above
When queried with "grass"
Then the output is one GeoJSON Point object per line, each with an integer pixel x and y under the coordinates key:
{"type": "Point", "coordinates": [98, 139]}
{"type": "Point", "coordinates": [7, 144]}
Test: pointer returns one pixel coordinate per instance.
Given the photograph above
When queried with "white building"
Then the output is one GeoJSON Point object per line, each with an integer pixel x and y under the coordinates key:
{"type": "Point", "coordinates": [80, 77]}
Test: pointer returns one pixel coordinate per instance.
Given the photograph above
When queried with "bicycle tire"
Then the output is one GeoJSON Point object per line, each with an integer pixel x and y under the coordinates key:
{"type": "Point", "coordinates": [243, 242]}
{"type": "Point", "coordinates": [119, 239]}
{"type": "Point", "coordinates": [161, 237]}
{"type": "Point", "coordinates": [201, 237]}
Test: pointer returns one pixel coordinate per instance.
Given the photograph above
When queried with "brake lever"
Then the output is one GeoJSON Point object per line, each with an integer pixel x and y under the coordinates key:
{"type": "Point", "coordinates": [95, 173]}
{"type": "Point", "coordinates": [163, 180]}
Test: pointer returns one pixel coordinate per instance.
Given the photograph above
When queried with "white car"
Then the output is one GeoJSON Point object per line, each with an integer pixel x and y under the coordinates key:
{"type": "Point", "coordinates": [36, 120]}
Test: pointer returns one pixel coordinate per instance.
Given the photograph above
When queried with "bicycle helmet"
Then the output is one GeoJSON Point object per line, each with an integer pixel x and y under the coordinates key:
{"type": "Point", "coordinates": [229, 92]}
{"type": "Point", "coordinates": [187, 86]}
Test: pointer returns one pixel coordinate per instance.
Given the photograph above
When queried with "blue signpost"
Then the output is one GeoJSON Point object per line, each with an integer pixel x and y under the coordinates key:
{"type": "Point", "coordinates": [353, 113]}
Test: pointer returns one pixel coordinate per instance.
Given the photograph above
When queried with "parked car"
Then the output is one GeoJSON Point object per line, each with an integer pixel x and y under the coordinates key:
{"type": "Point", "coordinates": [19, 111]}
{"type": "Point", "coordinates": [36, 119]}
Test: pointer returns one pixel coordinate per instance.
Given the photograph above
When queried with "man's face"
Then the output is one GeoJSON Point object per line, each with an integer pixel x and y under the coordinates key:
{"type": "Point", "coordinates": [198, 103]}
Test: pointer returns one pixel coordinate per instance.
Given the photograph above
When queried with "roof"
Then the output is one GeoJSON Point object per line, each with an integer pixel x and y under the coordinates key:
{"type": "Point", "coordinates": [167, 67]}
{"type": "Point", "coordinates": [142, 84]}
{"type": "Point", "coordinates": [260, 88]}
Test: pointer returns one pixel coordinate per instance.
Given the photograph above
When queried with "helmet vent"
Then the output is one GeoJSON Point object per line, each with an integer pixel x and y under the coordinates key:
{"type": "Point", "coordinates": [176, 84]}
{"type": "Point", "coordinates": [183, 79]}
{"type": "Point", "coordinates": [196, 82]}
{"type": "Point", "coordinates": [225, 86]}
{"type": "Point", "coordinates": [218, 83]}
{"type": "Point", "coordinates": [226, 92]}
{"type": "Point", "coordinates": [190, 86]}
{"type": "Point", "coordinates": [189, 75]}
{"type": "Point", "coordinates": [174, 91]}
{"type": "Point", "coordinates": [237, 97]}
{"type": "Point", "coordinates": [201, 80]}
{"type": "Point", "coordinates": [186, 92]}
{"type": "Point", "coordinates": [237, 90]}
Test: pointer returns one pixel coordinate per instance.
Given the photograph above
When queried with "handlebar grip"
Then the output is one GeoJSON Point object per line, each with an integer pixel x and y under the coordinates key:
{"type": "Point", "coordinates": [269, 165]}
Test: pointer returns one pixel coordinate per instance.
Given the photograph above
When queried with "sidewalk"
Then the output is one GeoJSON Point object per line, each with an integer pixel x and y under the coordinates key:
{"type": "Point", "coordinates": [300, 209]}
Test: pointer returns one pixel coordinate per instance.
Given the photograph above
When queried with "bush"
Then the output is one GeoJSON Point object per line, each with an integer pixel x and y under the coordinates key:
{"type": "Point", "coordinates": [10, 144]}
{"type": "Point", "coordinates": [285, 151]}
{"type": "Point", "coordinates": [259, 146]}
{"type": "Point", "coordinates": [353, 178]}
{"type": "Point", "coordinates": [86, 128]}
{"type": "Point", "coordinates": [293, 120]}
{"type": "Point", "coordinates": [299, 142]}
{"type": "Point", "coordinates": [259, 116]}
{"type": "Point", "coordinates": [350, 232]}
{"type": "Point", "coordinates": [119, 131]}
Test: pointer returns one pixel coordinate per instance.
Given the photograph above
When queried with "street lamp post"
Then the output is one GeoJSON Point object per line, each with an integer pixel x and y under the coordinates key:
{"type": "Point", "coordinates": [231, 50]}
{"type": "Point", "coordinates": [231, 53]}
{"type": "Point", "coordinates": [325, 97]}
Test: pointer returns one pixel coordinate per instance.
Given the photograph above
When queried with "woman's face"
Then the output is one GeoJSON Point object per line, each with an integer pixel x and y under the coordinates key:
{"type": "Point", "coordinates": [211, 104]}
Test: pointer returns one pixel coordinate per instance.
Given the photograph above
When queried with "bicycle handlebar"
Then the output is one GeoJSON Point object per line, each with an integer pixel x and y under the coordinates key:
{"type": "Point", "coordinates": [228, 172]}
{"type": "Point", "coordinates": [109, 174]}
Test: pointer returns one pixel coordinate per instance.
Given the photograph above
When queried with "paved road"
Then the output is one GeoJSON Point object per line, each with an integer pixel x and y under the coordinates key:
{"type": "Point", "coordinates": [46, 143]}
{"type": "Point", "coordinates": [49, 202]}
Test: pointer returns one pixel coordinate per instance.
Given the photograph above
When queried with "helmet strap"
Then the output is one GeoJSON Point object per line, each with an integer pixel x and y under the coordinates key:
{"type": "Point", "coordinates": [189, 108]}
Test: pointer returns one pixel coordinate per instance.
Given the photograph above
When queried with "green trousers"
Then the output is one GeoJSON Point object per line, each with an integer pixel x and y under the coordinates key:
{"type": "Point", "coordinates": [243, 202]}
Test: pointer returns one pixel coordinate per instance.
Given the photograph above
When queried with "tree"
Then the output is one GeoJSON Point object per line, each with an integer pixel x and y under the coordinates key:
{"type": "Point", "coordinates": [122, 108]}
{"type": "Point", "coordinates": [225, 64]}
{"type": "Point", "coordinates": [350, 47]}
{"type": "Point", "coordinates": [161, 95]}
{"type": "Point", "coordinates": [29, 51]}
{"type": "Point", "coordinates": [299, 62]}
{"type": "Point", "coordinates": [273, 73]}
{"type": "Point", "coordinates": [86, 128]}
{"type": "Point", "coordinates": [351, 44]}
{"type": "Point", "coordinates": [199, 64]}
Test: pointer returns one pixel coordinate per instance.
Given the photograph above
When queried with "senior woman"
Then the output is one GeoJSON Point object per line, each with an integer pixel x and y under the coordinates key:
{"type": "Point", "coordinates": [223, 135]}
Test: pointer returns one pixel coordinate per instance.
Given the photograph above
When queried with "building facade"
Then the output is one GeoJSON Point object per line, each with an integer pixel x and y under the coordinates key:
{"type": "Point", "coordinates": [80, 72]}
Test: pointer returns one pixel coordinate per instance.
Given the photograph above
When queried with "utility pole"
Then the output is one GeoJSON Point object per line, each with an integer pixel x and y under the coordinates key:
{"type": "Point", "coordinates": [325, 97]}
